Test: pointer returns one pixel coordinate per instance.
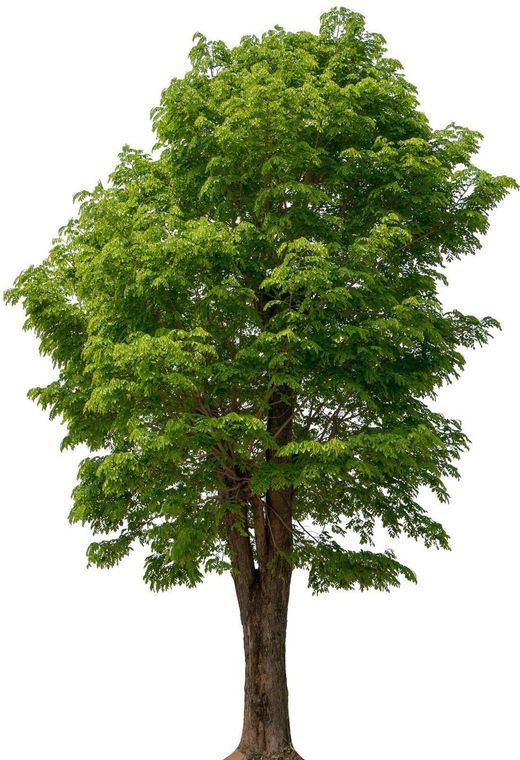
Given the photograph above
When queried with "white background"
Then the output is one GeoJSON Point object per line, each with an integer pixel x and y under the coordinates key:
{"type": "Point", "coordinates": [93, 665]}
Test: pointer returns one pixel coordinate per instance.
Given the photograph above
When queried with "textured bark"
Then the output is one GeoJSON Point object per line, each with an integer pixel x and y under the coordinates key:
{"type": "Point", "coordinates": [263, 596]}
{"type": "Point", "coordinates": [266, 727]}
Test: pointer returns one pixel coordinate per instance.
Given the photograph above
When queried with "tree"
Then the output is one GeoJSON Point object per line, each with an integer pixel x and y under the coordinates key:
{"type": "Point", "coordinates": [248, 334]}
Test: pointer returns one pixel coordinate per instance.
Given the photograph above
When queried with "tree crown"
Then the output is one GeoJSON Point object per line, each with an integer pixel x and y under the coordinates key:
{"type": "Point", "coordinates": [282, 245]}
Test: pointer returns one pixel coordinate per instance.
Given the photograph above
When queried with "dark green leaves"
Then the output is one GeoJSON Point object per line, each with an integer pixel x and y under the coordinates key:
{"type": "Point", "coordinates": [334, 567]}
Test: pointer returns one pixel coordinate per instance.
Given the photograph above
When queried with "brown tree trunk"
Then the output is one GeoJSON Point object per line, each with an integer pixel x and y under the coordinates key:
{"type": "Point", "coordinates": [266, 730]}
{"type": "Point", "coordinates": [263, 598]}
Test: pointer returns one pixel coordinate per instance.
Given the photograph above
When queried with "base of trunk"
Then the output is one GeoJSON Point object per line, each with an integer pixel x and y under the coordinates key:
{"type": "Point", "coordinates": [289, 754]}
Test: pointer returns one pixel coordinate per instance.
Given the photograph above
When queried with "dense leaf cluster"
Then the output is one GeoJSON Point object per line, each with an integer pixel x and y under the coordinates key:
{"type": "Point", "coordinates": [284, 241]}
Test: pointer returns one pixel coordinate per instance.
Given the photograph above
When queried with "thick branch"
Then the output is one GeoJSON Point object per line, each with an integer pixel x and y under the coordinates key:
{"type": "Point", "coordinates": [241, 553]}
{"type": "Point", "coordinates": [279, 501]}
{"type": "Point", "coordinates": [261, 539]}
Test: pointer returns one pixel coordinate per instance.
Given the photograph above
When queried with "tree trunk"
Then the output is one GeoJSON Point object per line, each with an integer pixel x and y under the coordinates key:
{"type": "Point", "coordinates": [263, 598]}
{"type": "Point", "coordinates": [266, 730]}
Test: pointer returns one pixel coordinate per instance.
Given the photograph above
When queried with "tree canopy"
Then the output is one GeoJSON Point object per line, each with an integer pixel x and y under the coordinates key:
{"type": "Point", "coordinates": [281, 247]}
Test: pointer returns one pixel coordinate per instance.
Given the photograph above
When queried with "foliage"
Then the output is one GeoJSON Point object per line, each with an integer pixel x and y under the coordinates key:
{"type": "Point", "coordinates": [285, 240]}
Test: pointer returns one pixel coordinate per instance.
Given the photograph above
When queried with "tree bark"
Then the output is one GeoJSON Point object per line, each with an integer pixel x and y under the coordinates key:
{"type": "Point", "coordinates": [263, 597]}
{"type": "Point", "coordinates": [266, 730]}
